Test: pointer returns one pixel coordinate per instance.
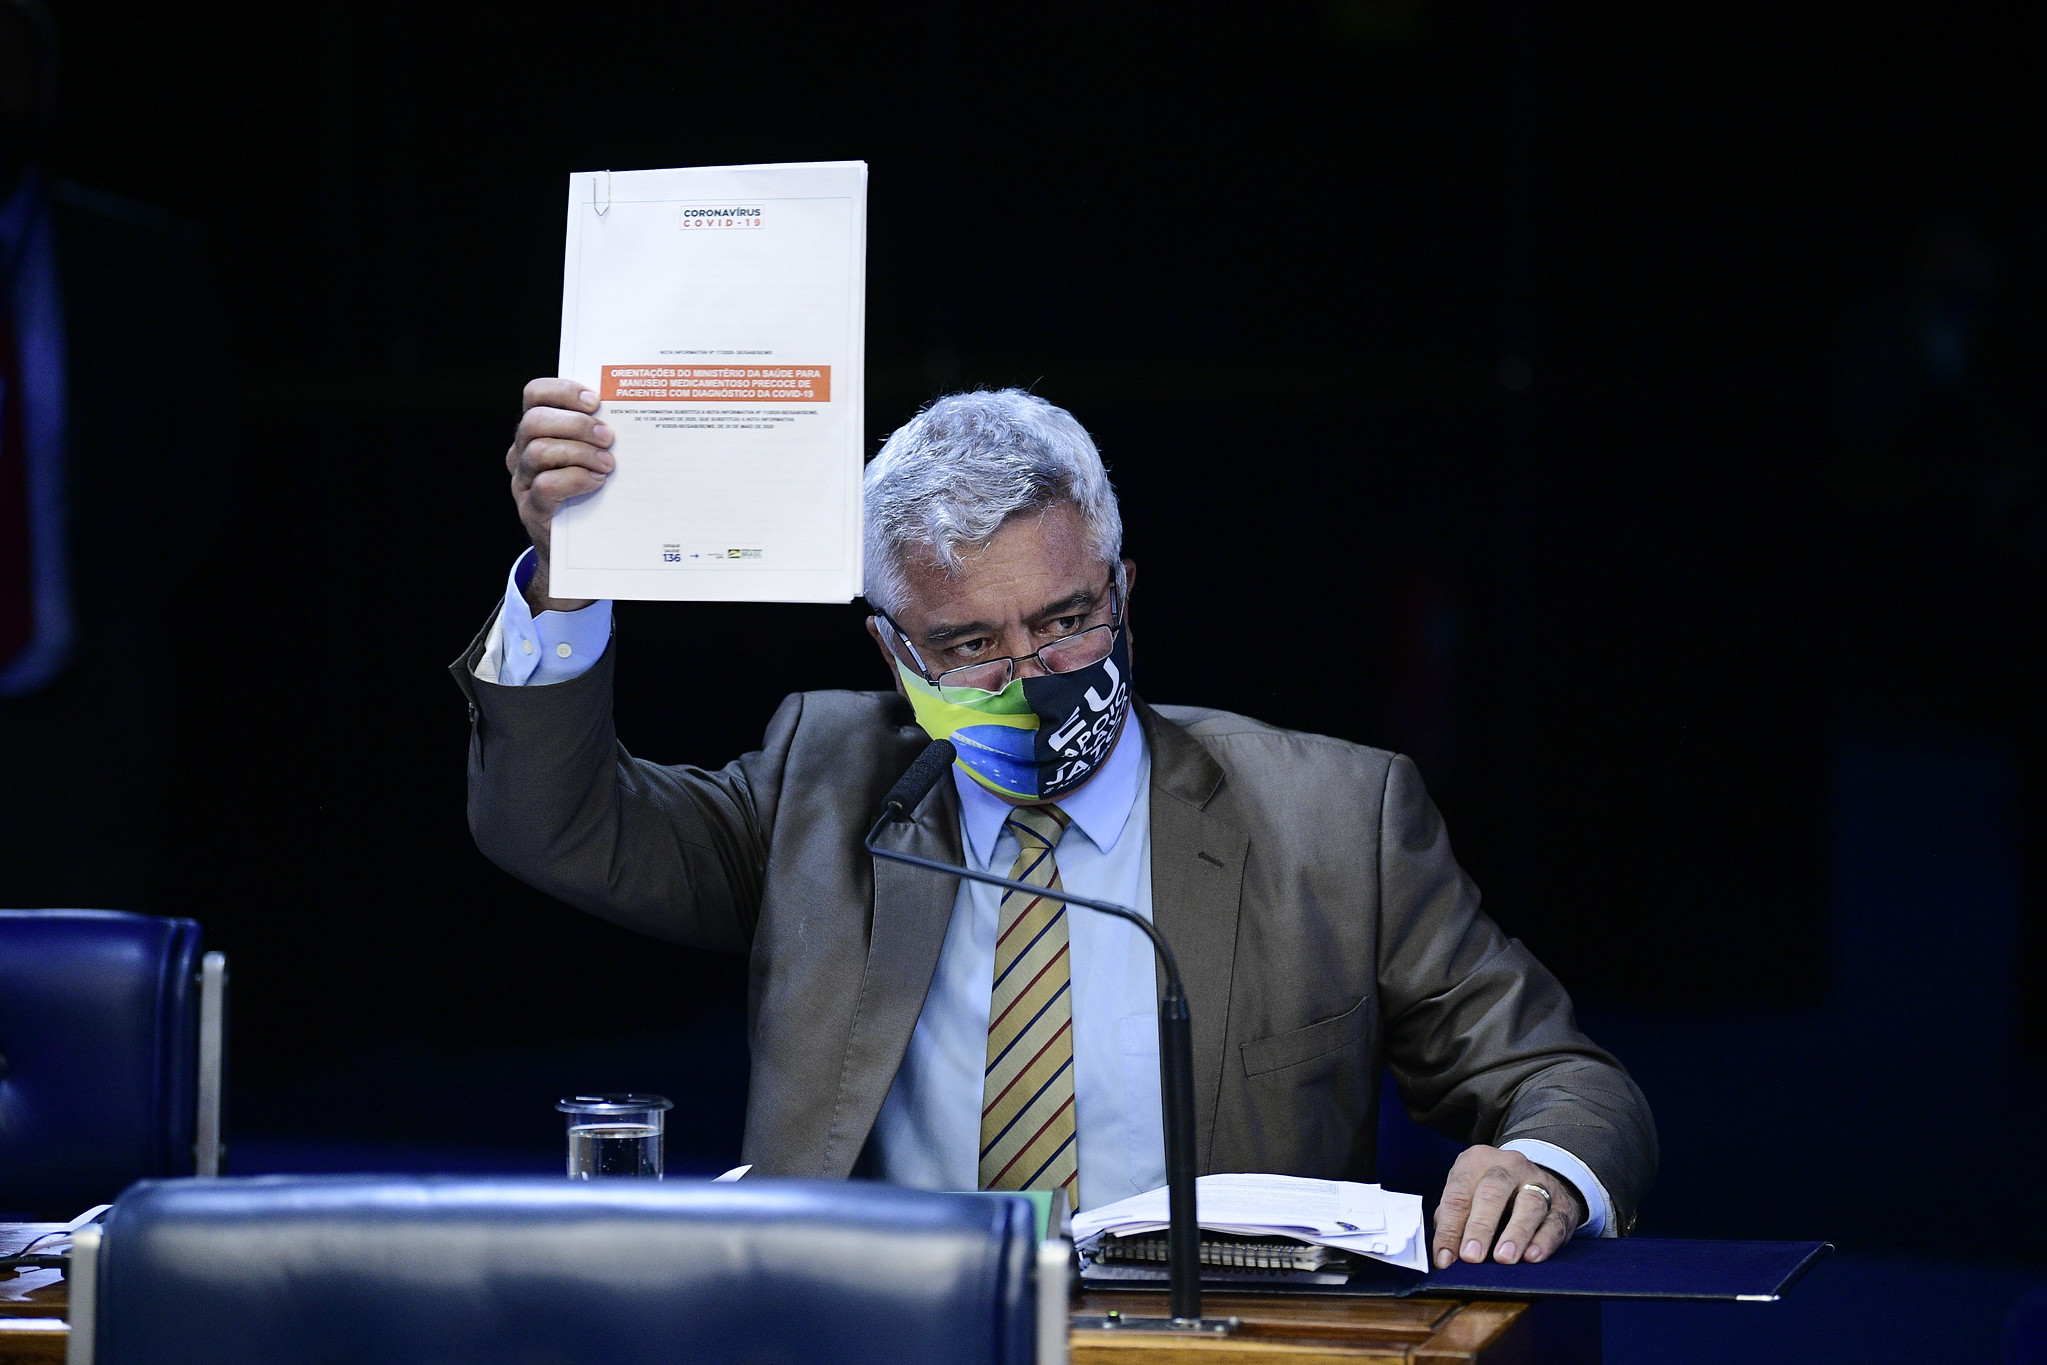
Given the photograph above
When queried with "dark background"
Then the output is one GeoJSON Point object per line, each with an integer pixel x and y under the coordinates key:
{"type": "Point", "coordinates": [1633, 413]}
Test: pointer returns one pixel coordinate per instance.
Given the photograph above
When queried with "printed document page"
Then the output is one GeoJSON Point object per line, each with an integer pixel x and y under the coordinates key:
{"type": "Point", "coordinates": [1367, 1219]}
{"type": "Point", "coordinates": [719, 313]}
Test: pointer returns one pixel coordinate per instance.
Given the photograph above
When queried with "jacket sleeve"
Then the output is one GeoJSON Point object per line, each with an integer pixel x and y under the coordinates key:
{"type": "Point", "coordinates": [1480, 1037]}
{"type": "Point", "coordinates": [676, 852]}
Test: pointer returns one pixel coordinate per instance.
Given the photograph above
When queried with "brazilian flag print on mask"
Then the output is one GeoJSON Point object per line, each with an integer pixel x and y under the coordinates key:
{"type": "Point", "coordinates": [1037, 738]}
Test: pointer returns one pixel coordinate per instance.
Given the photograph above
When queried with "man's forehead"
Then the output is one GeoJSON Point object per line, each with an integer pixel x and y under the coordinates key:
{"type": "Point", "coordinates": [1034, 563]}
{"type": "Point", "coordinates": [994, 601]}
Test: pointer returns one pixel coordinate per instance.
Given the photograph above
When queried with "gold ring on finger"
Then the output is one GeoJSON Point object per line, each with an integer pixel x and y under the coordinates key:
{"type": "Point", "coordinates": [1547, 1201]}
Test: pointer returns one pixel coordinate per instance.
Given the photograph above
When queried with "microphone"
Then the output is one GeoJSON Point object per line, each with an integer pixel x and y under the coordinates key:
{"type": "Point", "coordinates": [918, 779]}
{"type": "Point", "coordinates": [1176, 1042]}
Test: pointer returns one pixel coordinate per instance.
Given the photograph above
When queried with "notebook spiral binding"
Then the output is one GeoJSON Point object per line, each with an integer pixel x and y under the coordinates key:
{"type": "Point", "coordinates": [1224, 1252]}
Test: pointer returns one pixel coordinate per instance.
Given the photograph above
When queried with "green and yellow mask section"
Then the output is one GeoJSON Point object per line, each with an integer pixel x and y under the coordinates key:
{"type": "Point", "coordinates": [995, 733]}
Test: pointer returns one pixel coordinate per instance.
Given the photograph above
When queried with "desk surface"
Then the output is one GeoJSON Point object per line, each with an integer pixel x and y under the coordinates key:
{"type": "Point", "coordinates": [1276, 1331]}
{"type": "Point", "coordinates": [32, 1303]}
{"type": "Point", "coordinates": [1306, 1331]}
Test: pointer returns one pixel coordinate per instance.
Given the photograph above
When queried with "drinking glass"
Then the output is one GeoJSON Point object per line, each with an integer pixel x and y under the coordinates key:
{"type": "Point", "coordinates": [613, 1135]}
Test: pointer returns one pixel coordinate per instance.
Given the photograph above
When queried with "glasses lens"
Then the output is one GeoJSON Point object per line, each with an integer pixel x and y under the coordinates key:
{"type": "Point", "coordinates": [1078, 651]}
{"type": "Point", "coordinates": [988, 677]}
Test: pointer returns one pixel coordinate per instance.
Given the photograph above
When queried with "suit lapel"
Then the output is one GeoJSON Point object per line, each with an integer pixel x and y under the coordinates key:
{"type": "Point", "coordinates": [1197, 879]}
{"type": "Point", "coordinates": [912, 910]}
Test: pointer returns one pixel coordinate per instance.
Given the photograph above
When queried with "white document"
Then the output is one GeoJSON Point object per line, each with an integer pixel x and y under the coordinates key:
{"type": "Point", "coordinates": [1344, 1214]}
{"type": "Point", "coordinates": [720, 315]}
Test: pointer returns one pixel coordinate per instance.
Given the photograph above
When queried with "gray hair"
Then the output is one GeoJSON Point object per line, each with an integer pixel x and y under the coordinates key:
{"type": "Point", "coordinates": [952, 475]}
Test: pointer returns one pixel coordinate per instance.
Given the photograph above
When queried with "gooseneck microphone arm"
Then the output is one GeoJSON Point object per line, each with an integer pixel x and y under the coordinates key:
{"type": "Point", "coordinates": [1176, 1038]}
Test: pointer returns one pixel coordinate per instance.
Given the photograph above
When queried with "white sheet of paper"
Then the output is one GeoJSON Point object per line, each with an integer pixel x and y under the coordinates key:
{"type": "Point", "coordinates": [1365, 1219]}
{"type": "Point", "coordinates": [720, 314]}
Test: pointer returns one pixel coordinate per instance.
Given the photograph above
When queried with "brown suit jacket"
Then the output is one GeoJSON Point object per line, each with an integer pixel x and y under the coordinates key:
{"type": "Point", "coordinates": [1305, 883]}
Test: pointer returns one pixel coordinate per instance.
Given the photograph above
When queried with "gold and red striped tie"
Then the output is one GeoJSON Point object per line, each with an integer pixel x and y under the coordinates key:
{"type": "Point", "coordinates": [1028, 1134]}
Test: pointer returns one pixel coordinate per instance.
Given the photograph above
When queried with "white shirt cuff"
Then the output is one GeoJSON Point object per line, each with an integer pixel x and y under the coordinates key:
{"type": "Point", "coordinates": [525, 650]}
{"type": "Point", "coordinates": [1598, 1219]}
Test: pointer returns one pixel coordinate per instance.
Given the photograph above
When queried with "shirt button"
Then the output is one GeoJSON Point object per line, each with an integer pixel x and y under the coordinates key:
{"type": "Point", "coordinates": [562, 650]}
{"type": "Point", "coordinates": [526, 645]}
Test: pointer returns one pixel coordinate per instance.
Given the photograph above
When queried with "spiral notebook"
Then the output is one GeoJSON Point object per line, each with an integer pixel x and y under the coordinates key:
{"type": "Point", "coordinates": [1256, 1226]}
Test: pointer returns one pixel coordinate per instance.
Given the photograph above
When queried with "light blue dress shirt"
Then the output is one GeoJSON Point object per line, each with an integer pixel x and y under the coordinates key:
{"type": "Point", "coordinates": [929, 1131]}
{"type": "Point", "coordinates": [527, 650]}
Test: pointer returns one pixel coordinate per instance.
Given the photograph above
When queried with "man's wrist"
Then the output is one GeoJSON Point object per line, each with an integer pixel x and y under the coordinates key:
{"type": "Point", "coordinates": [535, 585]}
{"type": "Point", "coordinates": [535, 644]}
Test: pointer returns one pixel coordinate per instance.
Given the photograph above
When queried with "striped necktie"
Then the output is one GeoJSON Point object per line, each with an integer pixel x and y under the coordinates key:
{"type": "Point", "coordinates": [1029, 1140]}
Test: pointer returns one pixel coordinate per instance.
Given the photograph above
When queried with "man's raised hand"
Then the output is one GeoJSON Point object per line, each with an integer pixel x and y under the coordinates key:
{"type": "Point", "coordinates": [1484, 1209]}
{"type": "Point", "coordinates": [560, 451]}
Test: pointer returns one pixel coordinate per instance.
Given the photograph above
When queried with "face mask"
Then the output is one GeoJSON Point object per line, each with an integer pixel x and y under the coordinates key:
{"type": "Point", "coordinates": [1037, 738]}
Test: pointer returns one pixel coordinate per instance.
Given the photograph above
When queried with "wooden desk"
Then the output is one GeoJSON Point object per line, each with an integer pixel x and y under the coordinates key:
{"type": "Point", "coordinates": [1276, 1331]}
{"type": "Point", "coordinates": [1315, 1331]}
{"type": "Point", "coordinates": [32, 1303]}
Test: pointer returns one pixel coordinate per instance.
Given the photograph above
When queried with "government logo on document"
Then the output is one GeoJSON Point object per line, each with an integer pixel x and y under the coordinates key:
{"type": "Point", "coordinates": [714, 217]}
{"type": "Point", "coordinates": [672, 553]}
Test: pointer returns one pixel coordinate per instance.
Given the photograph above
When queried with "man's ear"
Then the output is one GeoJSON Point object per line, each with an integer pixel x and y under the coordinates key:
{"type": "Point", "coordinates": [888, 658]}
{"type": "Point", "coordinates": [1129, 586]}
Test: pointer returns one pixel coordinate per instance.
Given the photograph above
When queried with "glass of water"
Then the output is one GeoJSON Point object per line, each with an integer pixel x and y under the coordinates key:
{"type": "Point", "coordinates": [614, 1135]}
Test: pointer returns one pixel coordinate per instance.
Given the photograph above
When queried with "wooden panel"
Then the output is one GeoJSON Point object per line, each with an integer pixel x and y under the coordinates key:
{"type": "Point", "coordinates": [32, 1341]}
{"type": "Point", "coordinates": [1158, 1349]}
{"type": "Point", "coordinates": [1471, 1333]}
{"type": "Point", "coordinates": [1326, 1315]}
{"type": "Point", "coordinates": [1317, 1330]}
{"type": "Point", "coordinates": [33, 1294]}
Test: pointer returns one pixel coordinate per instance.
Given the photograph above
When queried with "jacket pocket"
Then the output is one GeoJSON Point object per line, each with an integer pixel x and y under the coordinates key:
{"type": "Point", "coordinates": [1306, 1044]}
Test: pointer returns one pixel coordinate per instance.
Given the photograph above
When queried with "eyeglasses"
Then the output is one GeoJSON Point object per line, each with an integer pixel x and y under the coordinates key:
{"type": "Point", "coordinates": [1066, 654]}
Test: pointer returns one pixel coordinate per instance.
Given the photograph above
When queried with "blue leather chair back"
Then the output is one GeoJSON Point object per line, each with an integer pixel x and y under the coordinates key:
{"type": "Point", "coordinates": [440, 1270]}
{"type": "Point", "coordinates": [99, 1025]}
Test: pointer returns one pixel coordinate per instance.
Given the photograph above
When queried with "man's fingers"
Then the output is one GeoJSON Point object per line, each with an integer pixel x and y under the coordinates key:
{"type": "Point", "coordinates": [1556, 1230]}
{"type": "Point", "coordinates": [566, 425]}
{"type": "Point", "coordinates": [1489, 1201]}
{"type": "Point", "coordinates": [560, 451]}
{"type": "Point", "coordinates": [539, 456]}
{"type": "Point", "coordinates": [1484, 1210]}
{"type": "Point", "coordinates": [1452, 1212]}
{"type": "Point", "coordinates": [553, 487]}
{"type": "Point", "coordinates": [1530, 1209]}
{"type": "Point", "coordinates": [560, 393]}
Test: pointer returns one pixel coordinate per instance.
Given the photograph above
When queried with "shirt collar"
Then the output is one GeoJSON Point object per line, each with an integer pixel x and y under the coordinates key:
{"type": "Point", "coordinates": [1101, 808]}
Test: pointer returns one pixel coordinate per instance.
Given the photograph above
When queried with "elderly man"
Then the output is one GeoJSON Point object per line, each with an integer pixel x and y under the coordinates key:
{"type": "Point", "coordinates": [953, 1036]}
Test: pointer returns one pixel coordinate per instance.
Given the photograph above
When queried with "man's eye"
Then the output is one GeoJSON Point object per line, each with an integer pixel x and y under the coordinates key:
{"type": "Point", "coordinates": [968, 650]}
{"type": "Point", "coordinates": [1067, 625]}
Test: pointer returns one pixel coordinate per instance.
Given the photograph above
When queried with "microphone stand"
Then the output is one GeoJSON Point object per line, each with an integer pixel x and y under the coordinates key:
{"type": "Point", "coordinates": [1176, 1074]}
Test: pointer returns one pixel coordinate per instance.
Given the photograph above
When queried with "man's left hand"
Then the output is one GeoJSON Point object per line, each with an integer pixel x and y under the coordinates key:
{"type": "Point", "coordinates": [1483, 1201]}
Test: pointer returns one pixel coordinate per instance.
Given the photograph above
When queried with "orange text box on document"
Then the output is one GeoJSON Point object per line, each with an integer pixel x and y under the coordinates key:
{"type": "Point", "coordinates": [718, 383]}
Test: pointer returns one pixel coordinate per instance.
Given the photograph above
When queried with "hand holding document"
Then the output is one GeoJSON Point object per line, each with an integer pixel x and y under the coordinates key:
{"type": "Point", "coordinates": [719, 314]}
{"type": "Point", "coordinates": [1340, 1214]}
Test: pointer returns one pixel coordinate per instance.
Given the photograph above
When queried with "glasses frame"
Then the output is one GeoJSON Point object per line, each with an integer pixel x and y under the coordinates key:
{"type": "Point", "coordinates": [1036, 656]}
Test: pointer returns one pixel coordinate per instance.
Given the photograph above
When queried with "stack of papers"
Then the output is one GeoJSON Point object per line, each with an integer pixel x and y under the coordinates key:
{"type": "Point", "coordinates": [1343, 1214]}
{"type": "Point", "coordinates": [56, 1242]}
